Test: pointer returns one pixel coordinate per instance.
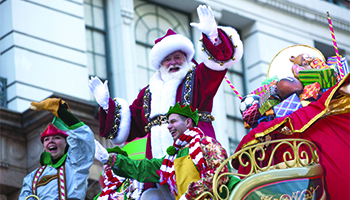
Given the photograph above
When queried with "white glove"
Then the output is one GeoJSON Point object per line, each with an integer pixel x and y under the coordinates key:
{"type": "Point", "coordinates": [100, 91]}
{"type": "Point", "coordinates": [207, 23]}
{"type": "Point", "coordinates": [101, 154]}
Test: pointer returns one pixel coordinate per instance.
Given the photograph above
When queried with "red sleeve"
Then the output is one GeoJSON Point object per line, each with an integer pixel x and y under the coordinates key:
{"type": "Point", "coordinates": [106, 119]}
{"type": "Point", "coordinates": [221, 52]}
{"type": "Point", "coordinates": [138, 120]}
{"type": "Point", "coordinates": [207, 83]}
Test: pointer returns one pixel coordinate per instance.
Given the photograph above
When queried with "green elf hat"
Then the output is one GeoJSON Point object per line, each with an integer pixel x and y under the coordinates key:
{"type": "Point", "coordinates": [187, 111]}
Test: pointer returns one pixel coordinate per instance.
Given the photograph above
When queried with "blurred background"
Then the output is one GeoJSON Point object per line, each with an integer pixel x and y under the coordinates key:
{"type": "Point", "coordinates": [52, 48]}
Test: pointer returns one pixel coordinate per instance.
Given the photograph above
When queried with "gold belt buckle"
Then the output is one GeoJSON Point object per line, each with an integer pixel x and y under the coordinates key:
{"type": "Point", "coordinates": [163, 119]}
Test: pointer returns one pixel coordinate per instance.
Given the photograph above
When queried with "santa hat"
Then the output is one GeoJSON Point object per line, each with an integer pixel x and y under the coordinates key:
{"type": "Point", "coordinates": [51, 129]}
{"type": "Point", "coordinates": [168, 44]}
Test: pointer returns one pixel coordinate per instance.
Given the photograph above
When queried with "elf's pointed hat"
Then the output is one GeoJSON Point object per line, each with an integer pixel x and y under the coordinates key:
{"type": "Point", "coordinates": [57, 127]}
{"type": "Point", "coordinates": [187, 111]}
{"type": "Point", "coordinates": [168, 44]}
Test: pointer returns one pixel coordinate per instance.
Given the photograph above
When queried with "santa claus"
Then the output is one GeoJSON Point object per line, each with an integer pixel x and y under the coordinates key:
{"type": "Point", "coordinates": [178, 79]}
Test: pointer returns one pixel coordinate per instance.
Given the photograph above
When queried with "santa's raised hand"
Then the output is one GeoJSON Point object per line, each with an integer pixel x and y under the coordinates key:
{"type": "Point", "coordinates": [207, 23]}
{"type": "Point", "coordinates": [100, 91]}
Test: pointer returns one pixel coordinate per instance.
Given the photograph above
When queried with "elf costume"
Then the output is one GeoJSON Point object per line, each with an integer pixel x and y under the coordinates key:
{"type": "Point", "coordinates": [116, 187]}
{"type": "Point", "coordinates": [66, 178]}
{"type": "Point", "coordinates": [189, 167]}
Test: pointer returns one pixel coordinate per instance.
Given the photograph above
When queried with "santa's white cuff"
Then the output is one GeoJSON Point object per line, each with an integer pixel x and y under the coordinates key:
{"type": "Point", "coordinates": [236, 57]}
{"type": "Point", "coordinates": [125, 122]}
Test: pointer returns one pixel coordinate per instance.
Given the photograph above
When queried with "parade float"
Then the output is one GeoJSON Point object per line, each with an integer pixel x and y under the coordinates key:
{"type": "Point", "coordinates": [297, 146]}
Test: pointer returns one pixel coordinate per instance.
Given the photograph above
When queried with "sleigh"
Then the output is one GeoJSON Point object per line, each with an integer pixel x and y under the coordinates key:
{"type": "Point", "coordinates": [298, 176]}
{"type": "Point", "coordinates": [307, 155]}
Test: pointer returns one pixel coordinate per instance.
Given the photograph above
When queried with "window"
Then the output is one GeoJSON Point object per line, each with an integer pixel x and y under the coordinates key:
{"type": "Point", "coordinates": [327, 50]}
{"type": "Point", "coordinates": [235, 124]}
{"type": "Point", "coordinates": [3, 97]}
{"type": "Point", "coordinates": [96, 38]}
{"type": "Point", "coordinates": [151, 23]}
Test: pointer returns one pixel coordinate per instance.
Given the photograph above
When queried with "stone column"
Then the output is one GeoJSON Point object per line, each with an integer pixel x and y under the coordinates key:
{"type": "Point", "coordinates": [122, 49]}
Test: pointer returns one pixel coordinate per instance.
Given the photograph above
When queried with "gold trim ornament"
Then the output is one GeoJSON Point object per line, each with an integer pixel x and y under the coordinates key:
{"type": "Point", "coordinates": [34, 196]}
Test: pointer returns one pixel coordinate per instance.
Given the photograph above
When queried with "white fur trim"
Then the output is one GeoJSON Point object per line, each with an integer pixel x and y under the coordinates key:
{"type": "Point", "coordinates": [168, 45]}
{"type": "Point", "coordinates": [163, 94]}
{"type": "Point", "coordinates": [160, 140]}
{"type": "Point", "coordinates": [124, 127]}
{"type": "Point", "coordinates": [238, 51]}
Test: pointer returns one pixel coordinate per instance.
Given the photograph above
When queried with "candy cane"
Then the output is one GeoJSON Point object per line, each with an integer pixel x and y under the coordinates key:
{"type": "Point", "coordinates": [233, 88]}
{"type": "Point", "coordinates": [335, 45]}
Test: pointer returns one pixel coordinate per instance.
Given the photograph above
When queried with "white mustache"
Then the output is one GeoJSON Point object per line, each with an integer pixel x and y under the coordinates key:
{"type": "Point", "coordinates": [173, 66]}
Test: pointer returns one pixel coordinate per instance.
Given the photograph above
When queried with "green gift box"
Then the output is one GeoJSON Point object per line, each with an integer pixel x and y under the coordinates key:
{"type": "Point", "coordinates": [267, 105]}
{"type": "Point", "coordinates": [325, 77]}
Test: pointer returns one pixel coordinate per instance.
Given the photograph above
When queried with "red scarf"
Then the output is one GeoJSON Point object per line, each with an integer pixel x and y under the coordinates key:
{"type": "Point", "coordinates": [112, 183]}
{"type": "Point", "coordinates": [191, 136]}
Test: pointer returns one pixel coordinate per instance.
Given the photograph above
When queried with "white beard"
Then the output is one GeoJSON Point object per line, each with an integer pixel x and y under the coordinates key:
{"type": "Point", "coordinates": [163, 86]}
{"type": "Point", "coordinates": [179, 75]}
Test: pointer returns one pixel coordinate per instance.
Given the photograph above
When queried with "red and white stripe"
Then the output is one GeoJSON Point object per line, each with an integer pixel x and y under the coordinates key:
{"type": "Point", "coordinates": [191, 136]}
{"type": "Point", "coordinates": [62, 184]}
{"type": "Point", "coordinates": [112, 182]}
{"type": "Point", "coordinates": [36, 178]}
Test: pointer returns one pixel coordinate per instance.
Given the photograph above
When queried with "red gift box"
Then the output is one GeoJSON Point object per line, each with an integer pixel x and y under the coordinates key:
{"type": "Point", "coordinates": [252, 114]}
{"type": "Point", "coordinates": [311, 90]}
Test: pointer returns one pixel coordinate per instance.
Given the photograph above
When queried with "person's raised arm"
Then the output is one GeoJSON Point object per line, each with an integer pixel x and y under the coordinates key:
{"type": "Point", "coordinates": [207, 24]}
{"type": "Point", "coordinates": [100, 92]}
{"type": "Point", "coordinates": [221, 45]}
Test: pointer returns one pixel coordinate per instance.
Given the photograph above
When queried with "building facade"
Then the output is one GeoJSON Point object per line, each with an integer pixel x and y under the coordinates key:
{"type": "Point", "coordinates": [52, 48]}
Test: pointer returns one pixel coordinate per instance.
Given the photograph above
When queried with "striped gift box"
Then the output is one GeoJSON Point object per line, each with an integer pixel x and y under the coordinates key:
{"type": "Point", "coordinates": [325, 77]}
{"type": "Point", "coordinates": [260, 90]}
{"type": "Point", "coordinates": [267, 105]}
{"type": "Point", "coordinates": [287, 106]}
{"type": "Point", "coordinates": [333, 63]}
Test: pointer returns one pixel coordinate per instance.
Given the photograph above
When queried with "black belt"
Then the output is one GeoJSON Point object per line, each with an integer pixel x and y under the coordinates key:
{"type": "Point", "coordinates": [162, 119]}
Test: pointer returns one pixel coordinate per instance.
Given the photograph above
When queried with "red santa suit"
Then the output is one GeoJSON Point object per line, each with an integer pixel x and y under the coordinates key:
{"type": "Point", "coordinates": [146, 115]}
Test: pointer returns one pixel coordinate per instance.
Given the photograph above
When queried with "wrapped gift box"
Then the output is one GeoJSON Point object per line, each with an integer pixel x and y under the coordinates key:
{"type": "Point", "coordinates": [318, 64]}
{"type": "Point", "coordinates": [270, 112]}
{"type": "Point", "coordinates": [252, 114]}
{"type": "Point", "coordinates": [325, 77]}
{"type": "Point", "coordinates": [270, 94]}
{"type": "Point", "coordinates": [311, 90]}
{"type": "Point", "coordinates": [267, 105]}
{"type": "Point", "coordinates": [333, 63]}
{"type": "Point", "coordinates": [260, 90]}
{"type": "Point", "coordinates": [270, 80]}
{"type": "Point", "coordinates": [287, 106]}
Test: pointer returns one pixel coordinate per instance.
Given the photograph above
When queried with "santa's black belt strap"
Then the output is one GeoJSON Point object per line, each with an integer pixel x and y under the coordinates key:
{"type": "Point", "coordinates": [162, 119]}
